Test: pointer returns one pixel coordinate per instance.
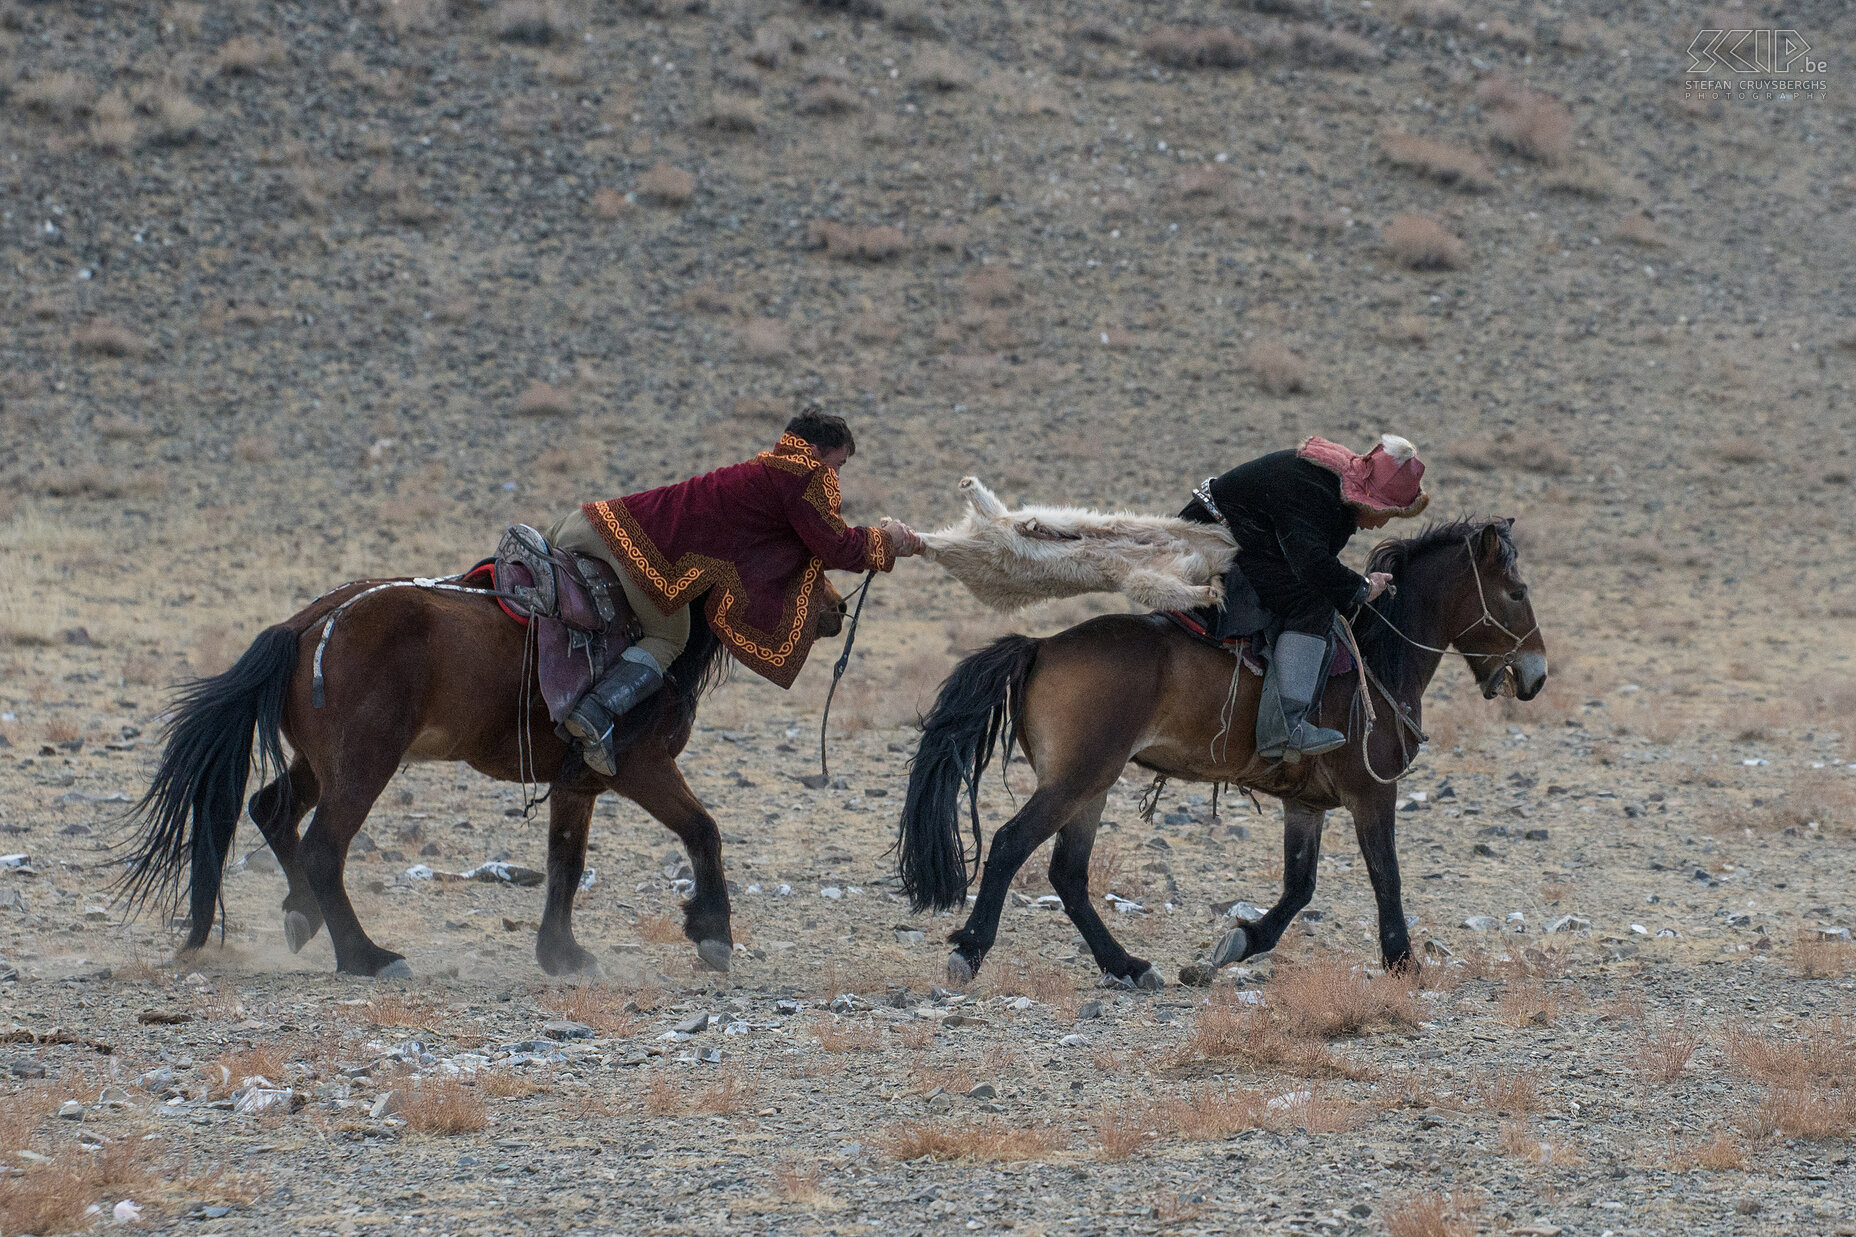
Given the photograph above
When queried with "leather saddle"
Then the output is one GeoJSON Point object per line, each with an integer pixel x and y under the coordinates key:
{"type": "Point", "coordinates": [581, 619]}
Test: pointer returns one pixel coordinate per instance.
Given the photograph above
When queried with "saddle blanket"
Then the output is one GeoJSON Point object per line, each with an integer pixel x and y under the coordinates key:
{"type": "Point", "coordinates": [1243, 646]}
{"type": "Point", "coordinates": [483, 575]}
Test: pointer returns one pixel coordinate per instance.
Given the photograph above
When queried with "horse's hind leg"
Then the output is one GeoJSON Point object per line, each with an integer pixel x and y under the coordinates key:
{"type": "Point", "coordinates": [1047, 810]}
{"type": "Point", "coordinates": [653, 781]}
{"type": "Point", "coordinates": [324, 854]}
{"type": "Point", "coordinates": [1069, 876]}
{"type": "Point", "coordinates": [1301, 847]}
{"type": "Point", "coordinates": [278, 823]}
{"type": "Point", "coordinates": [570, 815]}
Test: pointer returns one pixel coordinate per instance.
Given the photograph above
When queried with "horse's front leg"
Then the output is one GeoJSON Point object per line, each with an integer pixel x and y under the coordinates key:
{"type": "Point", "coordinates": [1301, 847]}
{"type": "Point", "coordinates": [1375, 820]}
{"type": "Point", "coordinates": [570, 815]}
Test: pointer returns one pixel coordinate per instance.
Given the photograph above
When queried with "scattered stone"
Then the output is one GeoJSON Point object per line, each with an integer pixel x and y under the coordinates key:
{"type": "Point", "coordinates": [694, 1026]}
{"type": "Point", "coordinates": [1535, 835]}
{"type": "Point", "coordinates": [1437, 949]}
{"type": "Point", "coordinates": [27, 1069]}
{"type": "Point", "coordinates": [1481, 923]}
{"type": "Point", "coordinates": [563, 1029]}
{"type": "Point", "coordinates": [1090, 1009]}
{"type": "Point", "coordinates": [386, 1104]}
{"type": "Point", "coordinates": [910, 936]}
{"type": "Point", "coordinates": [1748, 1206]}
{"type": "Point", "coordinates": [1487, 851]}
{"type": "Point", "coordinates": [940, 1101]}
{"type": "Point", "coordinates": [71, 1110]}
{"type": "Point", "coordinates": [787, 1007]}
{"type": "Point", "coordinates": [984, 1091]}
{"type": "Point", "coordinates": [1073, 1040]}
{"type": "Point", "coordinates": [113, 1097]}
{"type": "Point", "coordinates": [1569, 923]}
{"type": "Point", "coordinates": [1833, 934]}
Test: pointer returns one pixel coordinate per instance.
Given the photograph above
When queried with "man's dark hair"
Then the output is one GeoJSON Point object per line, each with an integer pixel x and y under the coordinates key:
{"type": "Point", "coordinates": [822, 430]}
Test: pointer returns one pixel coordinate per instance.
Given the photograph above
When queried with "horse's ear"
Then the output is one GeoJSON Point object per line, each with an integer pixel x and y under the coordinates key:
{"type": "Point", "coordinates": [1490, 543]}
{"type": "Point", "coordinates": [1508, 522]}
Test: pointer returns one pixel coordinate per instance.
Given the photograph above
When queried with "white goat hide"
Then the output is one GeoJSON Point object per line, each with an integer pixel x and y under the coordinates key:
{"type": "Point", "coordinates": [1011, 559]}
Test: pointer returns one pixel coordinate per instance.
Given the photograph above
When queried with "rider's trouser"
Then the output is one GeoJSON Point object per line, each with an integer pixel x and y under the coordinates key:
{"type": "Point", "coordinates": [664, 634]}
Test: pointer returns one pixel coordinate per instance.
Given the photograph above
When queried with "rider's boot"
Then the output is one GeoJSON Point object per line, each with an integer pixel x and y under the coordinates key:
{"type": "Point", "coordinates": [1298, 671]}
{"type": "Point", "coordinates": [594, 718]}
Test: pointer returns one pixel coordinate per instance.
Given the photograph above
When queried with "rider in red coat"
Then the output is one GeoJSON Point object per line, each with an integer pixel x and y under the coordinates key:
{"type": "Point", "coordinates": [753, 539]}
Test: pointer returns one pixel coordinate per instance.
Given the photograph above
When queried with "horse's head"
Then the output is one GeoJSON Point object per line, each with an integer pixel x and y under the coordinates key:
{"type": "Point", "coordinates": [1459, 585]}
{"type": "Point", "coordinates": [1494, 615]}
{"type": "Point", "coordinates": [830, 608]}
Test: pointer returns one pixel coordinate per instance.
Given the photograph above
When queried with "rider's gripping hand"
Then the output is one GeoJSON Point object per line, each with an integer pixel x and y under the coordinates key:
{"type": "Point", "coordinates": [1376, 583]}
{"type": "Point", "coordinates": [907, 541]}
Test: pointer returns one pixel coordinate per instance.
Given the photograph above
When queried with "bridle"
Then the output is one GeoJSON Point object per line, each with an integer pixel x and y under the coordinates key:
{"type": "Point", "coordinates": [1510, 678]}
{"type": "Point", "coordinates": [1510, 684]}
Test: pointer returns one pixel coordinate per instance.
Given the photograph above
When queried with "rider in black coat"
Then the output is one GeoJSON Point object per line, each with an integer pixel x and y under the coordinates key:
{"type": "Point", "coordinates": [1292, 512]}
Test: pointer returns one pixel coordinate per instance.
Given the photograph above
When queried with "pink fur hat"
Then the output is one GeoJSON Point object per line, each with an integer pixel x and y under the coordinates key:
{"type": "Point", "coordinates": [1387, 480]}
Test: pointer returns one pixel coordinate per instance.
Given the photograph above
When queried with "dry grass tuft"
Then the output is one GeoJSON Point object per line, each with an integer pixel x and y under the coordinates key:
{"type": "Point", "coordinates": [660, 929]}
{"type": "Point", "coordinates": [989, 1140]}
{"type": "Point", "coordinates": [854, 244]}
{"type": "Point", "coordinates": [597, 1005]}
{"type": "Point", "coordinates": [729, 1094]}
{"type": "Point", "coordinates": [1665, 1053]}
{"type": "Point", "coordinates": [1514, 1093]}
{"type": "Point", "coordinates": [1637, 228]}
{"type": "Point", "coordinates": [1018, 976]}
{"type": "Point", "coordinates": [535, 22]}
{"type": "Point", "coordinates": [395, 1009]}
{"type": "Point", "coordinates": [248, 54]}
{"type": "Point", "coordinates": [540, 399]}
{"type": "Point", "coordinates": [1818, 957]}
{"type": "Point", "coordinates": [1527, 1001]}
{"type": "Point", "coordinates": [1520, 1142]}
{"type": "Point", "coordinates": [102, 338]}
{"type": "Point", "coordinates": [1442, 162]}
{"type": "Point", "coordinates": [1322, 48]}
{"type": "Point", "coordinates": [1423, 244]}
{"type": "Point", "coordinates": [1330, 997]}
{"type": "Point", "coordinates": [1123, 1130]}
{"type": "Point", "coordinates": [506, 1086]}
{"type": "Point", "coordinates": [57, 96]}
{"type": "Point", "coordinates": [836, 1036]}
{"type": "Point", "coordinates": [1429, 1215]}
{"type": "Point", "coordinates": [1277, 369]}
{"type": "Point", "coordinates": [827, 99]}
{"type": "Point", "coordinates": [1534, 125]}
{"type": "Point", "coordinates": [940, 70]}
{"type": "Point", "coordinates": [666, 185]}
{"type": "Point", "coordinates": [444, 1106]}
{"type": "Point", "coordinates": [1182, 47]}
{"type": "Point", "coordinates": [799, 1183]}
{"type": "Point", "coordinates": [733, 114]}
{"type": "Point", "coordinates": [260, 1061]}
{"type": "Point", "coordinates": [1720, 1154]}
{"type": "Point", "coordinates": [1523, 452]}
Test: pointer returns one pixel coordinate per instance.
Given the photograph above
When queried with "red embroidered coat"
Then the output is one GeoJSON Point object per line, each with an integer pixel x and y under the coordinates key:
{"type": "Point", "coordinates": [757, 538]}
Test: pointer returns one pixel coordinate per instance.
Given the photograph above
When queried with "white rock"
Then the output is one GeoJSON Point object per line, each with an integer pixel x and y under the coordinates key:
{"type": "Point", "coordinates": [126, 1212]}
{"type": "Point", "coordinates": [1639, 929]}
{"type": "Point", "coordinates": [832, 892]}
{"type": "Point", "coordinates": [1481, 923]}
{"type": "Point", "coordinates": [1073, 1040]}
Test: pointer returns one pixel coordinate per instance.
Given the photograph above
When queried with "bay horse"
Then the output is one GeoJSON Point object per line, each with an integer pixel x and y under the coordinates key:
{"type": "Point", "coordinates": [411, 672]}
{"type": "Point", "coordinates": [1085, 702]}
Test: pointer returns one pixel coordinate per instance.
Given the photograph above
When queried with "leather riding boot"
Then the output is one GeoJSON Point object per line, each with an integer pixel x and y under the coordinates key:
{"type": "Point", "coordinates": [1298, 672]}
{"type": "Point", "coordinates": [595, 717]}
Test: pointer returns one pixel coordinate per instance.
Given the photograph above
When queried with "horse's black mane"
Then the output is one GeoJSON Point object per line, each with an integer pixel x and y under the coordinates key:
{"type": "Point", "coordinates": [1385, 651]}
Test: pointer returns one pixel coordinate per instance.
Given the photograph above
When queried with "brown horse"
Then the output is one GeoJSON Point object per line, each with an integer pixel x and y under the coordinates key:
{"type": "Point", "coordinates": [1120, 688]}
{"type": "Point", "coordinates": [410, 673]}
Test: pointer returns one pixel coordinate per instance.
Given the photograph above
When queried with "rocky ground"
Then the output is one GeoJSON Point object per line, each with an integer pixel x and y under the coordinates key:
{"type": "Point", "coordinates": [296, 294]}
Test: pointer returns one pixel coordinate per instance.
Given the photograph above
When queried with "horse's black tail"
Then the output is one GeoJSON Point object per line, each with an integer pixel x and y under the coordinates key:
{"type": "Point", "coordinates": [202, 777]}
{"type": "Point", "coordinates": [980, 703]}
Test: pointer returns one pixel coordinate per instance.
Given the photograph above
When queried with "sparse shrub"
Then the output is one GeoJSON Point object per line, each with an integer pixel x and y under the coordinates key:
{"type": "Point", "coordinates": [1666, 1053]}
{"type": "Point", "coordinates": [536, 22]}
{"type": "Point", "coordinates": [1534, 125]}
{"type": "Point", "coordinates": [773, 44]}
{"type": "Point", "coordinates": [827, 99]}
{"type": "Point", "coordinates": [1720, 1154]}
{"type": "Point", "coordinates": [732, 114]}
{"type": "Point", "coordinates": [1332, 49]}
{"type": "Point", "coordinates": [252, 449]}
{"type": "Point", "coordinates": [113, 127]}
{"type": "Point", "coordinates": [1514, 1093]}
{"type": "Point", "coordinates": [1422, 243]}
{"type": "Point", "coordinates": [1122, 1130]}
{"type": "Point", "coordinates": [1331, 997]}
{"type": "Point", "coordinates": [1183, 47]}
{"type": "Point", "coordinates": [1520, 451]}
{"type": "Point", "coordinates": [59, 96]}
{"type": "Point", "coordinates": [854, 244]}
{"type": "Point", "coordinates": [1582, 177]}
{"type": "Point", "coordinates": [247, 54]}
{"type": "Point", "coordinates": [1442, 162]}
{"type": "Point", "coordinates": [608, 203]}
{"type": "Point", "coordinates": [1637, 228]}
{"type": "Point", "coordinates": [597, 1005]}
{"type": "Point", "coordinates": [797, 1182]}
{"type": "Point", "coordinates": [1522, 1143]}
{"type": "Point", "coordinates": [1407, 329]}
{"type": "Point", "coordinates": [177, 118]}
{"type": "Point", "coordinates": [437, 1105]}
{"type": "Point", "coordinates": [107, 339]}
{"type": "Point", "coordinates": [666, 185]}
{"type": "Point", "coordinates": [937, 69]}
{"type": "Point", "coordinates": [660, 929]}
{"type": "Point", "coordinates": [988, 1140]}
{"type": "Point", "coordinates": [1429, 1215]}
{"type": "Point", "coordinates": [1277, 369]}
{"type": "Point", "coordinates": [1740, 450]}
{"type": "Point", "coordinates": [540, 399]}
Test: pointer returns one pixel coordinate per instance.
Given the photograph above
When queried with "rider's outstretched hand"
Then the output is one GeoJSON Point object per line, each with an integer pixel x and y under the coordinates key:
{"type": "Point", "coordinates": [907, 541]}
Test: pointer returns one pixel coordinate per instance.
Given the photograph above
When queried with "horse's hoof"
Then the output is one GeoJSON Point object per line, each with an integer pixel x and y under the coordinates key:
{"type": "Point", "coordinates": [959, 970]}
{"type": "Point", "coordinates": [1149, 979]}
{"type": "Point", "coordinates": [298, 931]}
{"type": "Point", "coordinates": [715, 955]}
{"type": "Point", "coordinates": [575, 963]}
{"type": "Point", "coordinates": [396, 969]}
{"type": "Point", "coordinates": [1235, 947]}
